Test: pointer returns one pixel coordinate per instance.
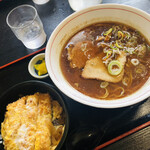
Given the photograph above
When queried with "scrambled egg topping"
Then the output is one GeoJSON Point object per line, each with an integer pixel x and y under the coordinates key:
{"type": "Point", "coordinates": [28, 123]}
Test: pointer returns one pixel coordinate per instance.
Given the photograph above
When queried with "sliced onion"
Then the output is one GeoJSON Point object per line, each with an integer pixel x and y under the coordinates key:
{"type": "Point", "coordinates": [100, 38]}
{"type": "Point", "coordinates": [130, 50]}
{"type": "Point", "coordinates": [135, 62]}
{"type": "Point", "coordinates": [141, 50]}
{"type": "Point", "coordinates": [104, 84]}
{"type": "Point", "coordinates": [127, 34]}
{"type": "Point", "coordinates": [132, 41]}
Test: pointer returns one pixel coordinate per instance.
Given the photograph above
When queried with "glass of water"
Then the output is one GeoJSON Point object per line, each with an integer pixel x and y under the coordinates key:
{"type": "Point", "coordinates": [27, 26]}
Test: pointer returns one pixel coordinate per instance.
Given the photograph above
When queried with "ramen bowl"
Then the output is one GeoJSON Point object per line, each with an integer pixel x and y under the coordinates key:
{"type": "Point", "coordinates": [127, 15]}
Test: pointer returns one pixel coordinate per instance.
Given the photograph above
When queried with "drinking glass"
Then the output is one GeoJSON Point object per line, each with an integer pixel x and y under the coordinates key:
{"type": "Point", "coordinates": [27, 26]}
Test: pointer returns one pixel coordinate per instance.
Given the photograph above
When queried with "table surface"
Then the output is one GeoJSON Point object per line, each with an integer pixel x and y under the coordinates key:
{"type": "Point", "coordinates": [110, 122]}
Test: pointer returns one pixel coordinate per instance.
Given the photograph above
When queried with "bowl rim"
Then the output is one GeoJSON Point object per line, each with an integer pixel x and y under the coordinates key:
{"type": "Point", "coordinates": [61, 98]}
{"type": "Point", "coordinates": [111, 103]}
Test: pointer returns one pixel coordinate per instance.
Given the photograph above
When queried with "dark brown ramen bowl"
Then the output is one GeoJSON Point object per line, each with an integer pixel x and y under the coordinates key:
{"type": "Point", "coordinates": [28, 88]}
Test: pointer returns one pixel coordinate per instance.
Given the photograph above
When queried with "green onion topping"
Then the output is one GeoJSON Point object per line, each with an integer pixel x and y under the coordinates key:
{"type": "Point", "coordinates": [114, 67]}
{"type": "Point", "coordinates": [118, 45]}
{"type": "Point", "coordinates": [120, 35]}
{"type": "Point", "coordinates": [104, 84]}
{"type": "Point", "coordinates": [108, 32]}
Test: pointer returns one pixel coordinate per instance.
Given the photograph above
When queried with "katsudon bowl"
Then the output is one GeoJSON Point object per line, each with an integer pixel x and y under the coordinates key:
{"type": "Point", "coordinates": [29, 88]}
{"type": "Point", "coordinates": [103, 13]}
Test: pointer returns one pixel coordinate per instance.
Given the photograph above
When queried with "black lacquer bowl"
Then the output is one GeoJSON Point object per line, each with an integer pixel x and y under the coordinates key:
{"type": "Point", "coordinates": [28, 88]}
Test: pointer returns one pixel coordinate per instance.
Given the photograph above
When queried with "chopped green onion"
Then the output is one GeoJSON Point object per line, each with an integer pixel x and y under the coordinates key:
{"type": "Point", "coordinates": [104, 84]}
{"type": "Point", "coordinates": [108, 32]}
{"type": "Point", "coordinates": [114, 48]}
{"type": "Point", "coordinates": [118, 45]}
{"type": "Point", "coordinates": [135, 62]}
{"type": "Point", "coordinates": [114, 67]}
{"type": "Point", "coordinates": [120, 35]}
{"type": "Point", "coordinates": [111, 46]}
{"type": "Point", "coordinates": [115, 28]}
{"type": "Point", "coordinates": [108, 54]}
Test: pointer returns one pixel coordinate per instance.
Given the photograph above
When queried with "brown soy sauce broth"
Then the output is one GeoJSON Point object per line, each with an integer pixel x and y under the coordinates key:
{"type": "Point", "coordinates": [135, 76]}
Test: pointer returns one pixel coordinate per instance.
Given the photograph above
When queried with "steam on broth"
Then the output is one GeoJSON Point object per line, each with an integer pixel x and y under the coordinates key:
{"type": "Point", "coordinates": [106, 60]}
